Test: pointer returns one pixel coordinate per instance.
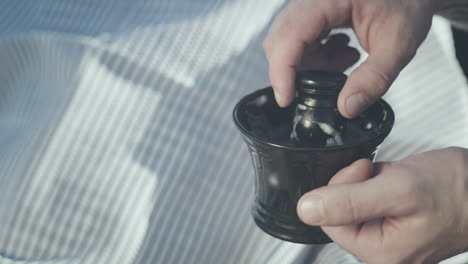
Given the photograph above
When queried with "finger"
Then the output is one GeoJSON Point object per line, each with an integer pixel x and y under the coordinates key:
{"type": "Point", "coordinates": [359, 171]}
{"type": "Point", "coordinates": [358, 238]}
{"type": "Point", "coordinates": [298, 25]}
{"type": "Point", "coordinates": [373, 77]}
{"type": "Point", "coordinates": [344, 204]}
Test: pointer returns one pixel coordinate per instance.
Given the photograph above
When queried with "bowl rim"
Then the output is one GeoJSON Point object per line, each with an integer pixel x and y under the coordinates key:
{"type": "Point", "coordinates": [385, 130]}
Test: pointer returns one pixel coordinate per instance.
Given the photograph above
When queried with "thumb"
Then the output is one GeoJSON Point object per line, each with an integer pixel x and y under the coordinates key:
{"type": "Point", "coordinates": [346, 204]}
{"type": "Point", "coordinates": [371, 80]}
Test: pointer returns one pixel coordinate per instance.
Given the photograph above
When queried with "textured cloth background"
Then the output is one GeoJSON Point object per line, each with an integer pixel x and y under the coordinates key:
{"type": "Point", "coordinates": [117, 144]}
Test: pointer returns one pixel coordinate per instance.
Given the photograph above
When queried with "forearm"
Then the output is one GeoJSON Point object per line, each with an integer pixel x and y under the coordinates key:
{"type": "Point", "coordinates": [456, 11]}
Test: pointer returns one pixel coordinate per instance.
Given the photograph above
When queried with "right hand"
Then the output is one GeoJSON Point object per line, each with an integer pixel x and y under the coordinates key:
{"type": "Point", "coordinates": [389, 30]}
{"type": "Point", "coordinates": [414, 210]}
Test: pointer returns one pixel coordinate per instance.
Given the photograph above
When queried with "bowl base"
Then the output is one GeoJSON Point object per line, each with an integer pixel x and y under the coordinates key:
{"type": "Point", "coordinates": [288, 228]}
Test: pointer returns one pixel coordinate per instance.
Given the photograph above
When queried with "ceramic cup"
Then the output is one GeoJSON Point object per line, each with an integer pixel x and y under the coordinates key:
{"type": "Point", "coordinates": [284, 171]}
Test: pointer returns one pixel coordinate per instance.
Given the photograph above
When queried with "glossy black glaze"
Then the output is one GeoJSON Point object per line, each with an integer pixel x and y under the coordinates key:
{"type": "Point", "coordinates": [320, 82]}
{"type": "Point", "coordinates": [285, 171]}
{"type": "Point", "coordinates": [316, 121]}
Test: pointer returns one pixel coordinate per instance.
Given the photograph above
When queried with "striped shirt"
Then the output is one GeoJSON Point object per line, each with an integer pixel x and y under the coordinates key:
{"type": "Point", "coordinates": [117, 144]}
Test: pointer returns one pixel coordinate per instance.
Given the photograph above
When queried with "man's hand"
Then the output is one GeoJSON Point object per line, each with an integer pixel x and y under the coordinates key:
{"type": "Point", "coordinates": [389, 30]}
{"type": "Point", "coordinates": [409, 211]}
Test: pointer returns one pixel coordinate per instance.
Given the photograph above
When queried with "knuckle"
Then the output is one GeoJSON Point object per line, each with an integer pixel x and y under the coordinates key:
{"type": "Point", "coordinates": [408, 187]}
{"type": "Point", "coordinates": [416, 190]}
{"type": "Point", "coordinates": [406, 51]}
{"type": "Point", "coordinates": [353, 211]}
{"type": "Point", "coordinates": [380, 81]}
{"type": "Point", "coordinates": [341, 208]}
{"type": "Point", "coordinates": [413, 194]}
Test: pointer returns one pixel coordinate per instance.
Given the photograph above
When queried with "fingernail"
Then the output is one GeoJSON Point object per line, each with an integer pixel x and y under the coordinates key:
{"type": "Point", "coordinates": [311, 210]}
{"type": "Point", "coordinates": [280, 99]}
{"type": "Point", "coordinates": [356, 104]}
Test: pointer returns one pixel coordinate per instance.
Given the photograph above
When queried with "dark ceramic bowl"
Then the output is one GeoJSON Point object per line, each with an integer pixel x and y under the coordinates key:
{"type": "Point", "coordinates": [284, 171]}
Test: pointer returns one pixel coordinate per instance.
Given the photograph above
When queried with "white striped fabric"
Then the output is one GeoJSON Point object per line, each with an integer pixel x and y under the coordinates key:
{"type": "Point", "coordinates": [117, 140]}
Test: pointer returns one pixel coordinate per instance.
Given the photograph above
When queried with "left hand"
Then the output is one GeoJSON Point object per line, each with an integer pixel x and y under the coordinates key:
{"type": "Point", "coordinates": [409, 211]}
{"type": "Point", "coordinates": [389, 31]}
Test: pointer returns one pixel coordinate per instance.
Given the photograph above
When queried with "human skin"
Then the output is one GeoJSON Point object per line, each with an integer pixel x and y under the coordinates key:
{"type": "Point", "coordinates": [389, 31]}
{"type": "Point", "coordinates": [410, 211]}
